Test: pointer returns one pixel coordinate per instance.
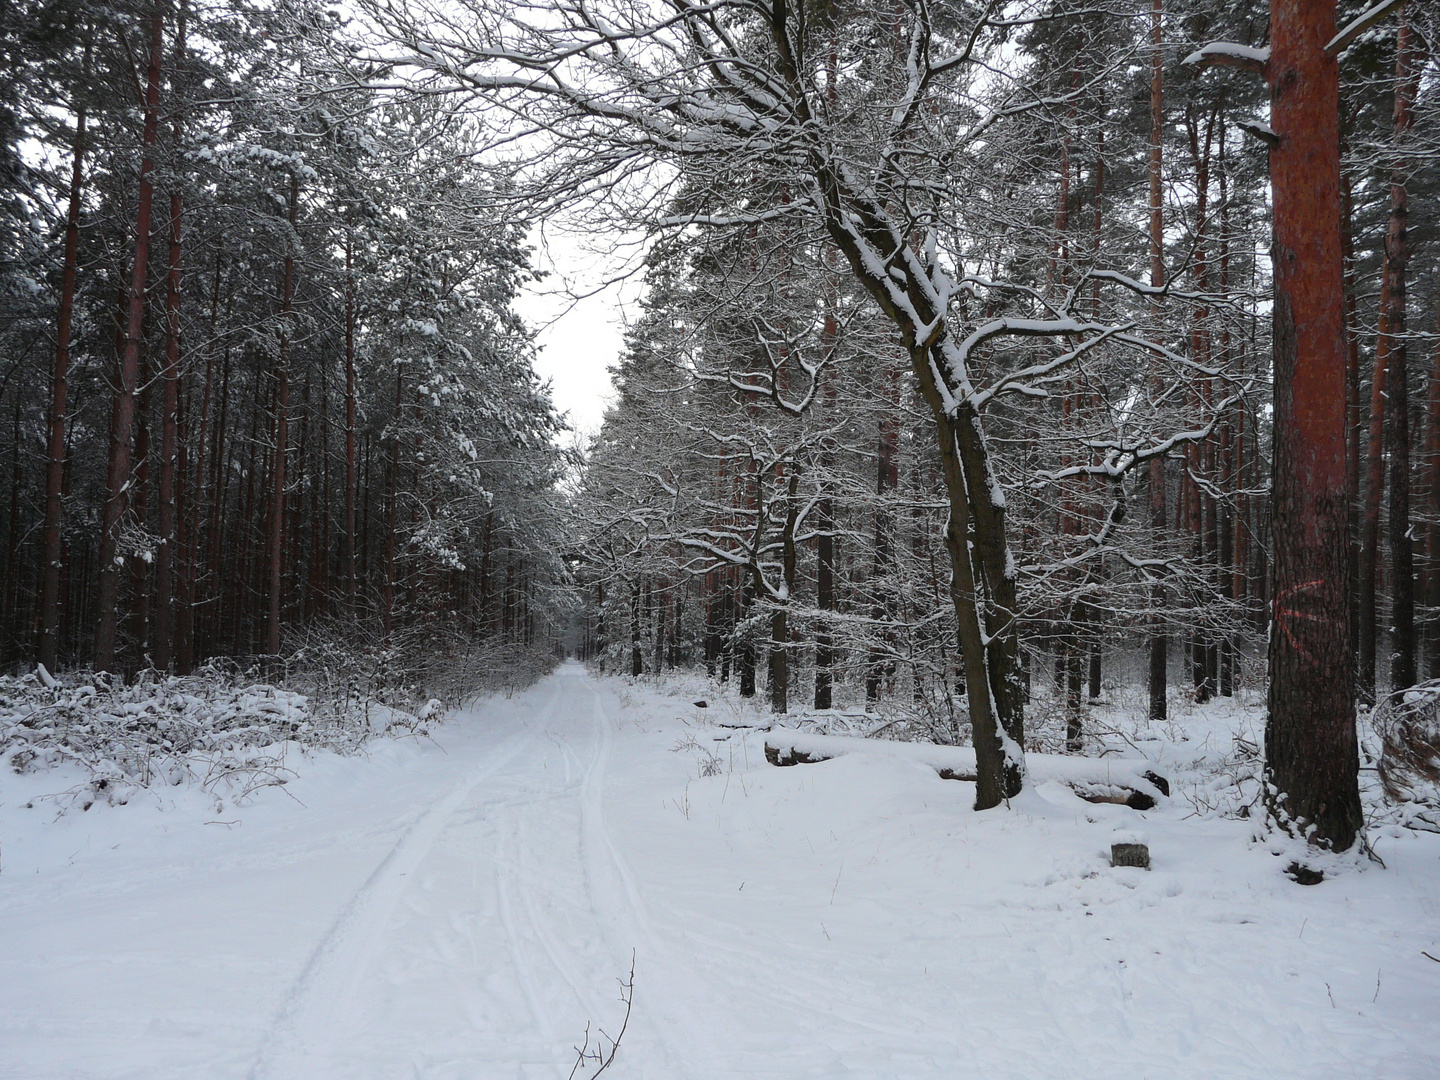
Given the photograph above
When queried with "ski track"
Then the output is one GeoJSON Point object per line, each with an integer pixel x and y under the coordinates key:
{"type": "Point", "coordinates": [325, 989]}
{"type": "Point", "coordinates": [535, 917]}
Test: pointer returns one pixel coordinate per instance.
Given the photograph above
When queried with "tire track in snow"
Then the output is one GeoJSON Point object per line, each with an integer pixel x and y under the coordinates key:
{"type": "Point", "coordinates": [505, 862]}
{"type": "Point", "coordinates": [525, 876]}
{"type": "Point", "coordinates": [325, 990]}
{"type": "Point", "coordinates": [623, 916]}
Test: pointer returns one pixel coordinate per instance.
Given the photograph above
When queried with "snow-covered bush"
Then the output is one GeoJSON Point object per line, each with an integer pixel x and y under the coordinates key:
{"type": "Point", "coordinates": [222, 728]}
{"type": "Point", "coordinates": [1407, 725]}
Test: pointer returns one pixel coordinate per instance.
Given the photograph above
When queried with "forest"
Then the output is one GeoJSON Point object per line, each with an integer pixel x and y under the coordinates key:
{"type": "Point", "coordinates": [1027, 426]}
{"type": "Point", "coordinates": [964, 360]}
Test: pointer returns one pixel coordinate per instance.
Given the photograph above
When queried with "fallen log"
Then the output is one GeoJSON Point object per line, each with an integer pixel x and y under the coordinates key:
{"type": "Point", "coordinates": [1124, 781]}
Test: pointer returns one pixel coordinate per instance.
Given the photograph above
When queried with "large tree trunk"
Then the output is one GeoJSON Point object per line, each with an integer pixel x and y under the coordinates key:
{"type": "Point", "coordinates": [1311, 754]}
{"type": "Point", "coordinates": [49, 645]}
{"type": "Point", "coordinates": [123, 410]}
{"type": "Point", "coordinates": [983, 587]}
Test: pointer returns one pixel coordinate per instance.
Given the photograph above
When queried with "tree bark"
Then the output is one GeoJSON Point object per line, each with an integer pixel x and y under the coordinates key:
{"type": "Point", "coordinates": [49, 646]}
{"type": "Point", "coordinates": [282, 433]}
{"type": "Point", "coordinates": [349, 552]}
{"type": "Point", "coordinates": [1311, 753]}
{"type": "Point", "coordinates": [123, 408]}
{"type": "Point", "coordinates": [170, 407]}
{"type": "Point", "coordinates": [1402, 558]}
{"type": "Point", "coordinates": [1431, 578]}
{"type": "Point", "coordinates": [1159, 640]}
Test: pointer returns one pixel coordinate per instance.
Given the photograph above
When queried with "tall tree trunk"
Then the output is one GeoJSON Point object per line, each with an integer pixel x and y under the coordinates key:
{"type": "Point", "coordinates": [1353, 415]}
{"type": "Point", "coordinates": [170, 403]}
{"type": "Point", "coordinates": [1159, 641]}
{"type": "Point", "coordinates": [49, 646]}
{"type": "Point", "coordinates": [779, 620]}
{"type": "Point", "coordinates": [1311, 752]}
{"type": "Point", "coordinates": [123, 409]}
{"type": "Point", "coordinates": [880, 662]}
{"type": "Point", "coordinates": [1392, 324]}
{"type": "Point", "coordinates": [825, 520]}
{"type": "Point", "coordinates": [392, 512]}
{"type": "Point", "coordinates": [282, 432]}
{"type": "Point", "coordinates": [1370, 523]}
{"type": "Point", "coordinates": [349, 552]}
{"type": "Point", "coordinates": [1431, 577]}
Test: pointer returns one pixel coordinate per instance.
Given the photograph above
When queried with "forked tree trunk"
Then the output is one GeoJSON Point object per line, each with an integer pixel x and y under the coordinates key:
{"type": "Point", "coordinates": [123, 410]}
{"type": "Point", "coordinates": [1311, 753]}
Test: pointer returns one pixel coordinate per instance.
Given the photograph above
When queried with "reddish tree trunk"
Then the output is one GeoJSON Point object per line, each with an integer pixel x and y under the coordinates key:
{"type": "Point", "coordinates": [1311, 753]}
{"type": "Point", "coordinates": [123, 410]}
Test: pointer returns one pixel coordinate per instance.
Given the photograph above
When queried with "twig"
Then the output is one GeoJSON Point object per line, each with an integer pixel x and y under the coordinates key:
{"type": "Point", "coordinates": [583, 1053]}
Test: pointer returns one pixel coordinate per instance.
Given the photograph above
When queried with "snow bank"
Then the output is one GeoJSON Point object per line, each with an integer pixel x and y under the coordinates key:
{"type": "Point", "coordinates": [215, 728]}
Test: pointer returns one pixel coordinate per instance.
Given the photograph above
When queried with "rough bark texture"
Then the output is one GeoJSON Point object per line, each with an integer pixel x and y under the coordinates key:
{"type": "Point", "coordinates": [1311, 756]}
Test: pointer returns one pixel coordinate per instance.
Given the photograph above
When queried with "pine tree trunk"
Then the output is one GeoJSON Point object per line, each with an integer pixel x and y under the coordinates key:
{"type": "Point", "coordinates": [48, 649]}
{"type": "Point", "coordinates": [1402, 558]}
{"type": "Point", "coordinates": [1431, 577]}
{"type": "Point", "coordinates": [165, 555]}
{"type": "Point", "coordinates": [349, 553]}
{"type": "Point", "coordinates": [1311, 753]}
{"type": "Point", "coordinates": [1159, 641]}
{"type": "Point", "coordinates": [282, 433]}
{"type": "Point", "coordinates": [123, 410]}
{"type": "Point", "coordinates": [1353, 416]}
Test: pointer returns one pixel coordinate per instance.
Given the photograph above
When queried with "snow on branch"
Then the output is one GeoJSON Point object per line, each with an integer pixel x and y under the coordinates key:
{"type": "Point", "coordinates": [1229, 54]}
{"type": "Point", "coordinates": [1357, 26]}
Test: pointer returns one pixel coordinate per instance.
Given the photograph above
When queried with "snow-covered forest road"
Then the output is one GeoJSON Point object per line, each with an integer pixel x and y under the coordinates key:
{"type": "Point", "coordinates": [466, 912]}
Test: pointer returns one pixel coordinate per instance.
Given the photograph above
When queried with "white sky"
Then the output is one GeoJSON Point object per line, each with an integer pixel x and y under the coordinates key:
{"type": "Point", "coordinates": [579, 339]}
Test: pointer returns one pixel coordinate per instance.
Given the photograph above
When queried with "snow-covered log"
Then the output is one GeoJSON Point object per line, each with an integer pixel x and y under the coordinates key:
{"type": "Point", "coordinates": [1127, 781]}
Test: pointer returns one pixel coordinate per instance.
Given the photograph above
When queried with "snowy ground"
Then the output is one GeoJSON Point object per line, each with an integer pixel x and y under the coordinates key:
{"type": "Point", "coordinates": [464, 909]}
